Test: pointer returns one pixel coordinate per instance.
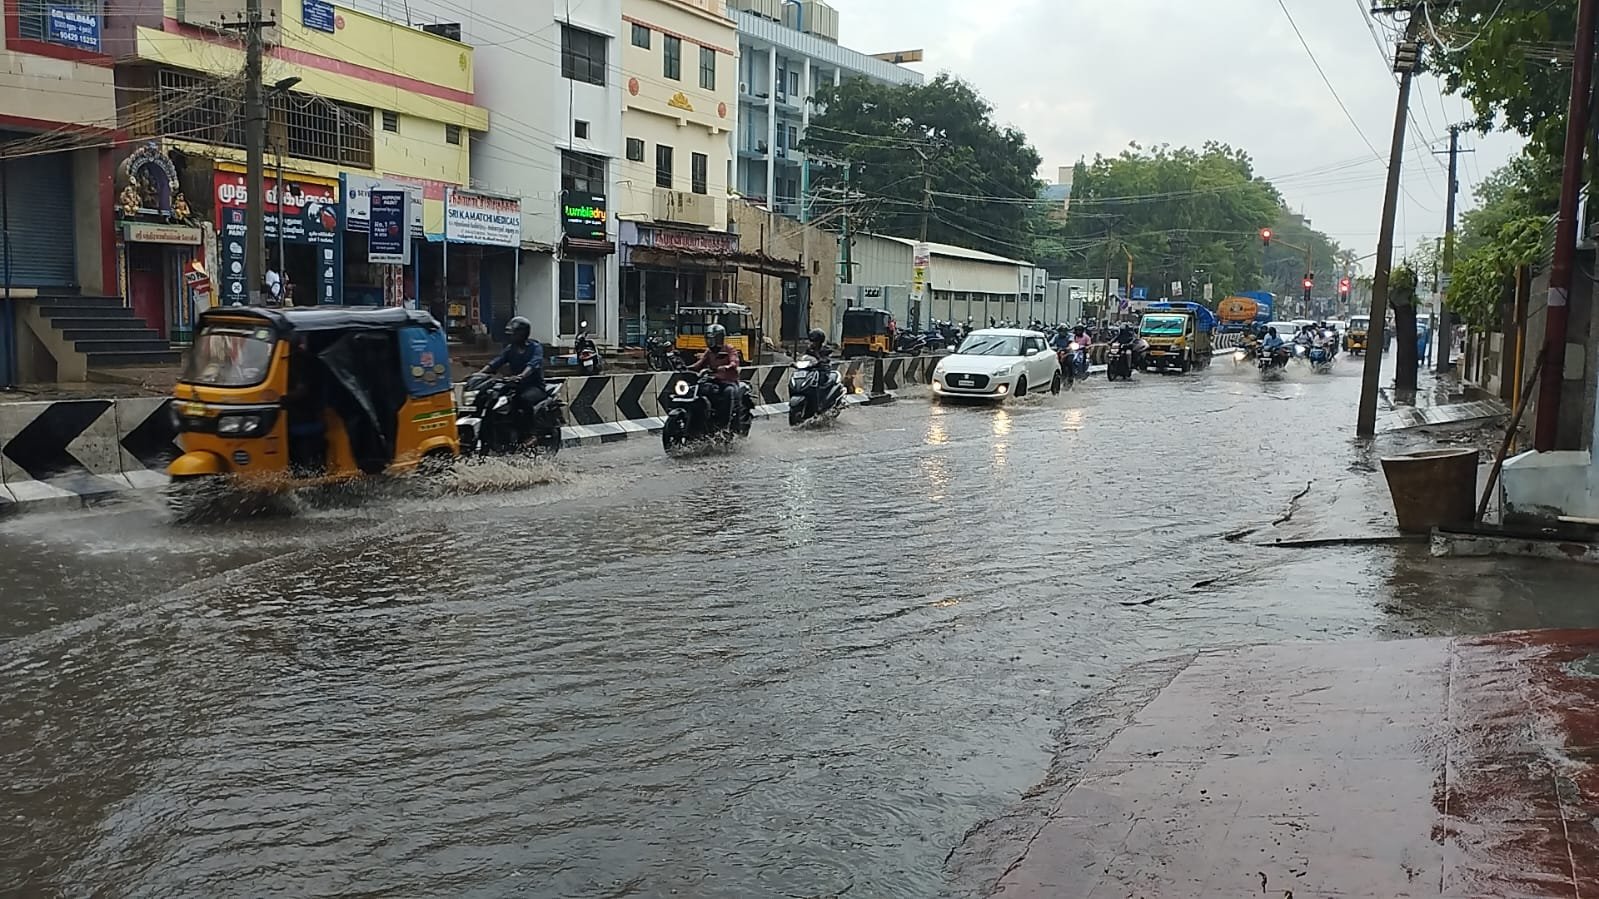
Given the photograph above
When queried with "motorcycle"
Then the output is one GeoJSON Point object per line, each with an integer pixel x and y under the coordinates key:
{"type": "Point", "coordinates": [1273, 361]}
{"type": "Point", "coordinates": [693, 417]}
{"type": "Point", "coordinates": [1320, 358]}
{"type": "Point", "coordinates": [589, 360]}
{"type": "Point", "coordinates": [1119, 362]}
{"type": "Point", "coordinates": [495, 423]}
{"type": "Point", "coordinates": [661, 355]}
{"type": "Point", "coordinates": [1246, 353]}
{"type": "Point", "coordinates": [815, 390]}
{"type": "Point", "coordinates": [910, 343]}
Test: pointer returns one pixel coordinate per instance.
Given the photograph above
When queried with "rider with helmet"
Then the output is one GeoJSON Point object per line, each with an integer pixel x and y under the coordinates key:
{"type": "Point", "coordinates": [1272, 342]}
{"type": "Point", "coordinates": [722, 360]}
{"type": "Point", "coordinates": [816, 345]}
{"type": "Point", "coordinates": [523, 359]}
{"type": "Point", "coordinates": [1062, 339]}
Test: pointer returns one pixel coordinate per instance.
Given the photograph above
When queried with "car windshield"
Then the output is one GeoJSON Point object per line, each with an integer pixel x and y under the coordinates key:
{"type": "Point", "coordinates": [230, 355]}
{"type": "Point", "coordinates": [1162, 324]}
{"type": "Point", "coordinates": [1359, 324]}
{"type": "Point", "coordinates": [991, 345]}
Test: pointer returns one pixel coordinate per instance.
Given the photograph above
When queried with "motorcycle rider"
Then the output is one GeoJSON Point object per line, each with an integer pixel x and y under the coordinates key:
{"type": "Point", "coordinates": [523, 358]}
{"type": "Point", "coordinates": [816, 345]}
{"type": "Point", "coordinates": [1062, 339]}
{"type": "Point", "coordinates": [722, 361]}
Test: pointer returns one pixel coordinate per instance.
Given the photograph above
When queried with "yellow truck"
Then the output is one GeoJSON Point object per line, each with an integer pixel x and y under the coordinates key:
{"type": "Point", "coordinates": [1179, 336]}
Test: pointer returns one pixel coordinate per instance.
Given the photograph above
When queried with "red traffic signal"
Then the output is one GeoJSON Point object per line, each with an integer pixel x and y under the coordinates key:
{"type": "Point", "coordinates": [1343, 285]}
{"type": "Point", "coordinates": [1309, 282]}
{"type": "Point", "coordinates": [1265, 236]}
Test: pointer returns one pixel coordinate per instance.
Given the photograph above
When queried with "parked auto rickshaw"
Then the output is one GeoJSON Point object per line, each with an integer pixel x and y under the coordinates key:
{"type": "Point", "coordinates": [1355, 335]}
{"type": "Point", "coordinates": [273, 400]}
{"type": "Point", "coordinates": [866, 333]}
{"type": "Point", "coordinates": [693, 320]}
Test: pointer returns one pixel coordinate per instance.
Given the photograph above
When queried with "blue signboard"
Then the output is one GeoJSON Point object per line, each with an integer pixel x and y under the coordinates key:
{"type": "Point", "coordinates": [74, 28]}
{"type": "Point", "coordinates": [425, 362]}
{"type": "Point", "coordinates": [318, 15]}
{"type": "Point", "coordinates": [1140, 293]}
{"type": "Point", "coordinates": [315, 224]}
{"type": "Point", "coordinates": [389, 237]}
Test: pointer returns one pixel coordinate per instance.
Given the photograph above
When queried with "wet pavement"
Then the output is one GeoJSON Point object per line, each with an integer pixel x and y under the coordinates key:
{"type": "Point", "coordinates": [1459, 768]}
{"type": "Point", "coordinates": [812, 666]}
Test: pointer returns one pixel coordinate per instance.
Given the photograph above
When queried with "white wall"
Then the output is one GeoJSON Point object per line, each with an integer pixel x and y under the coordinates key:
{"type": "Point", "coordinates": [517, 49]}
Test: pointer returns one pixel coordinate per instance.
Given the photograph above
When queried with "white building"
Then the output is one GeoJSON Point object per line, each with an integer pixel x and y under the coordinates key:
{"type": "Point", "coordinates": [787, 50]}
{"type": "Point", "coordinates": [965, 284]}
{"type": "Point", "coordinates": [550, 75]}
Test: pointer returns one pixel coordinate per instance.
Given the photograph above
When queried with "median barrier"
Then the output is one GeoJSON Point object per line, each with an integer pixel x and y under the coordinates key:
{"type": "Point", "coordinates": [67, 452]}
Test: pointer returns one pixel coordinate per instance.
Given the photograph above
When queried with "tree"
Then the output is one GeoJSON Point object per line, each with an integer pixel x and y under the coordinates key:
{"type": "Point", "coordinates": [897, 137]}
{"type": "Point", "coordinates": [1502, 233]}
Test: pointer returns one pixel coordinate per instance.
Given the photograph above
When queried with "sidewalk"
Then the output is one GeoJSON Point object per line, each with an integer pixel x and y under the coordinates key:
{"type": "Point", "coordinates": [1455, 768]}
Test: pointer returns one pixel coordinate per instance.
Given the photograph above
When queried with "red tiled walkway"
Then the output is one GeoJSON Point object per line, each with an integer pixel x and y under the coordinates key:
{"type": "Point", "coordinates": [1410, 768]}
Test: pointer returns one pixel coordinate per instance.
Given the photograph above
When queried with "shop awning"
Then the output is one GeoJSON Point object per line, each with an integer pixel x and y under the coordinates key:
{"type": "Point", "coordinates": [580, 247]}
{"type": "Point", "coordinates": [688, 259]}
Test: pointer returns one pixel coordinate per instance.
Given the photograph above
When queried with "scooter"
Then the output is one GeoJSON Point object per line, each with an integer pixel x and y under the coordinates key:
{"type": "Point", "coordinates": [1320, 359]}
{"type": "Point", "coordinates": [815, 390]}
{"type": "Point", "coordinates": [589, 360]}
{"type": "Point", "coordinates": [495, 424]}
{"type": "Point", "coordinates": [911, 344]}
{"type": "Point", "coordinates": [1119, 362]}
{"type": "Point", "coordinates": [1273, 362]}
{"type": "Point", "coordinates": [693, 419]}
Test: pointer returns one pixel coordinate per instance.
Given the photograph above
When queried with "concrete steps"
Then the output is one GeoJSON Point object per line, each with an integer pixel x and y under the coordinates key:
{"type": "Point", "coordinates": [106, 332]}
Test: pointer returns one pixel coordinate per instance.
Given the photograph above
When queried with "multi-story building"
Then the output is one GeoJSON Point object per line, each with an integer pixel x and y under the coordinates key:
{"type": "Point", "coordinates": [680, 67]}
{"type": "Point", "coordinates": [549, 75]}
{"type": "Point", "coordinates": [788, 49]}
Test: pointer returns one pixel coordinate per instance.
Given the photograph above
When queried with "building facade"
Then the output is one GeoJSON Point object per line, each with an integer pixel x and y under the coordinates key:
{"type": "Point", "coordinates": [58, 121]}
{"type": "Point", "coordinates": [787, 52]}
{"type": "Point", "coordinates": [354, 101]}
{"type": "Point", "coordinates": [963, 284]}
{"type": "Point", "coordinates": [680, 67]}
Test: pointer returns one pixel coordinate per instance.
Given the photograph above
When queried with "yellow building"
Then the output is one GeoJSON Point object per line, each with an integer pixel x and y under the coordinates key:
{"type": "Point", "coordinates": [680, 102]}
{"type": "Point", "coordinates": [355, 102]}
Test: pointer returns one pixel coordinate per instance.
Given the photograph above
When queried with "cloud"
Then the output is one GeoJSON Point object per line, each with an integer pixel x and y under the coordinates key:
{"type": "Point", "coordinates": [1085, 78]}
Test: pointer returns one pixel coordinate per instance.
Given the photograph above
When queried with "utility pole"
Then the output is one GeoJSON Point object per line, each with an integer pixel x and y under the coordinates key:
{"type": "Point", "coordinates": [927, 193]}
{"type": "Point", "coordinates": [1446, 325]}
{"type": "Point", "coordinates": [1407, 57]}
{"type": "Point", "coordinates": [254, 149]}
{"type": "Point", "coordinates": [1547, 430]}
{"type": "Point", "coordinates": [845, 245]}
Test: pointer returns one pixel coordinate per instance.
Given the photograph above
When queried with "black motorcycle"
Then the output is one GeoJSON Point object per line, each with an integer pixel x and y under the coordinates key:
{"type": "Point", "coordinates": [589, 360]}
{"type": "Point", "coordinates": [1273, 361]}
{"type": "Point", "coordinates": [661, 355]}
{"type": "Point", "coordinates": [494, 422]}
{"type": "Point", "coordinates": [910, 344]}
{"type": "Point", "coordinates": [1119, 363]}
{"type": "Point", "coordinates": [694, 417]}
{"type": "Point", "coordinates": [814, 390]}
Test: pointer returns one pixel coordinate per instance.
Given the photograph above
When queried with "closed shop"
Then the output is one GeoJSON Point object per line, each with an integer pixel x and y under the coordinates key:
{"type": "Point", "coordinates": [38, 198]}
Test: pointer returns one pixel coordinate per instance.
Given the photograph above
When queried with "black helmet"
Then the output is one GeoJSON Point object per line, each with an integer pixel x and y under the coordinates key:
{"type": "Point", "coordinates": [1062, 329]}
{"type": "Point", "coordinates": [715, 336]}
{"type": "Point", "coordinates": [816, 336]}
{"type": "Point", "coordinates": [519, 328]}
{"type": "Point", "coordinates": [1272, 331]}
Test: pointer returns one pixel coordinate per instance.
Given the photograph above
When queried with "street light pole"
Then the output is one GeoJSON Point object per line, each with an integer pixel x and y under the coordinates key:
{"type": "Point", "coordinates": [254, 151]}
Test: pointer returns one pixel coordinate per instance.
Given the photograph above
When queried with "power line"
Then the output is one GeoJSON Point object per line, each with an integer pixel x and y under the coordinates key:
{"type": "Point", "coordinates": [1327, 81]}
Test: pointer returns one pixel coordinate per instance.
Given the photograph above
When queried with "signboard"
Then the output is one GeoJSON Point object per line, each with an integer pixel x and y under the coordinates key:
{"type": "Point", "coordinates": [71, 27]}
{"type": "Point", "coordinates": [156, 232]}
{"type": "Point", "coordinates": [309, 214]}
{"type": "Point", "coordinates": [318, 15]}
{"type": "Point", "coordinates": [1140, 293]}
{"type": "Point", "coordinates": [357, 190]}
{"type": "Point", "coordinates": [921, 270]}
{"type": "Point", "coordinates": [583, 215]}
{"type": "Point", "coordinates": [389, 233]}
{"type": "Point", "coordinates": [1208, 292]}
{"type": "Point", "coordinates": [1176, 288]}
{"type": "Point", "coordinates": [718, 243]}
{"type": "Point", "coordinates": [482, 219]}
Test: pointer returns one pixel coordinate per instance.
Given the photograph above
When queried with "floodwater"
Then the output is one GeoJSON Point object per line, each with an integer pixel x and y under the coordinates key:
{"type": "Point", "coordinates": [804, 668]}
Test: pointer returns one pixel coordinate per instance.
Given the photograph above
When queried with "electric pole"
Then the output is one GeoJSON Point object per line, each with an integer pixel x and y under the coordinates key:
{"type": "Point", "coordinates": [1446, 325]}
{"type": "Point", "coordinates": [254, 150]}
{"type": "Point", "coordinates": [1407, 56]}
{"type": "Point", "coordinates": [1547, 431]}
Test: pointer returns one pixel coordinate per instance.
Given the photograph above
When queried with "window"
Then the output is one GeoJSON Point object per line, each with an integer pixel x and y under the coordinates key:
{"type": "Point", "coordinates": [698, 165]}
{"type": "Point", "coordinates": [206, 109]}
{"type": "Point", "coordinates": [708, 68]}
{"type": "Point", "coordinates": [582, 55]}
{"type": "Point", "coordinates": [452, 134]}
{"type": "Point", "coordinates": [635, 150]}
{"type": "Point", "coordinates": [33, 18]}
{"type": "Point", "coordinates": [641, 36]}
{"type": "Point", "coordinates": [580, 129]}
{"type": "Point", "coordinates": [391, 121]}
{"type": "Point", "coordinates": [578, 294]}
{"type": "Point", "coordinates": [663, 166]}
{"type": "Point", "coordinates": [793, 84]}
{"type": "Point", "coordinates": [793, 137]}
{"type": "Point", "coordinates": [672, 61]}
{"type": "Point", "coordinates": [582, 171]}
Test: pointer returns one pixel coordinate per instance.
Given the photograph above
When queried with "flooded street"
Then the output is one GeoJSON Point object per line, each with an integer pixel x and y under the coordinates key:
{"type": "Point", "coordinates": [805, 668]}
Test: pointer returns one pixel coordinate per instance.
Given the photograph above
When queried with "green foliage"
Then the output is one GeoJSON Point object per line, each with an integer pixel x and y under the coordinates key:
{"type": "Point", "coordinates": [1480, 275]}
{"type": "Point", "coordinates": [1181, 210]}
{"type": "Point", "coordinates": [1512, 61]}
{"type": "Point", "coordinates": [1402, 284]}
{"type": "Point", "coordinates": [983, 175]}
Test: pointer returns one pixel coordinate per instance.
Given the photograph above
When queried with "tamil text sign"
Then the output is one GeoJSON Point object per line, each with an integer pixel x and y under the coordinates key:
{"type": "Point", "coordinates": [389, 234]}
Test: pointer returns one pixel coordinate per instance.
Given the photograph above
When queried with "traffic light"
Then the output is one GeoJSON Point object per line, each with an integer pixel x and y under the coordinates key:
{"type": "Point", "coordinates": [1310, 281]}
{"type": "Point", "coordinates": [1265, 237]}
{"type": "Point", "coordinates": [1343, 286]}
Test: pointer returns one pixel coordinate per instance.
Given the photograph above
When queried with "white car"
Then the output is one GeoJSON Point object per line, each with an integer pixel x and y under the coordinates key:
{"type": "Point", "coordinates": [998, 362]}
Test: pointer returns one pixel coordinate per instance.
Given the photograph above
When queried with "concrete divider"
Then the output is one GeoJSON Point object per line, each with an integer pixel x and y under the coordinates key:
{"type": "Point", "coordinates": [66, 451]}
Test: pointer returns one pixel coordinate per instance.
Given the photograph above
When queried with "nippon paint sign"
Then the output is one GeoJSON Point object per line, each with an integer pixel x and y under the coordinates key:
{"type": "Point", "coordinates": [358, 201]}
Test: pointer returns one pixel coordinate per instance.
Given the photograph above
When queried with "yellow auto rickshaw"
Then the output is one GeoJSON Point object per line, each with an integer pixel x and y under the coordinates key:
{"type": "Point", "coordinates": [274, 400]}
{"type": "Point", "coordinates": [1355, 335]}
{"type": "Point", "coordinates": [866, 333]}
{"type": "Point", "coordinates": [693, 320]}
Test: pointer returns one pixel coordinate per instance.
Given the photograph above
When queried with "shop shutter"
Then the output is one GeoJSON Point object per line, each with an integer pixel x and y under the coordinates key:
{"type": "Point", "coordinates": [39, 202]}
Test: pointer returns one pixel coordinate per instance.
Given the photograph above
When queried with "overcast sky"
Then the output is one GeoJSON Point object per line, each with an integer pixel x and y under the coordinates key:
{"type": "Point", "coordinates": [1082, 78]}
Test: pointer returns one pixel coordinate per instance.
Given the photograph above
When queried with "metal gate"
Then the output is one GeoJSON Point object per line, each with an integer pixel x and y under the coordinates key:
{"type": "Point", "coordinates": [38, 196]}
